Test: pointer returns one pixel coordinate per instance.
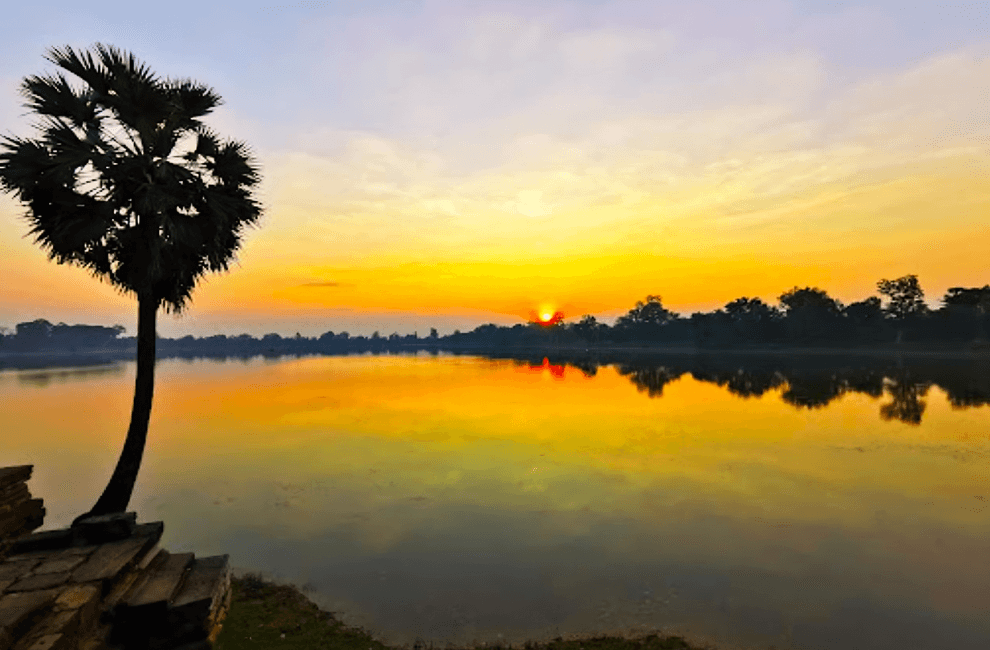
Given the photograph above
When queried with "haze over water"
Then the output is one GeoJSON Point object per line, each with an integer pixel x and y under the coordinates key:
{"type": "Point", "coordinates": [455, 498]}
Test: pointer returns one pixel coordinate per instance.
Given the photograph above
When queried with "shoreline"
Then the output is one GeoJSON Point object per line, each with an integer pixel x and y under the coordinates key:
{"type": "Point", "coordinates": [267, 614]}
{"type": "Point", "coordinates": [110, 356]}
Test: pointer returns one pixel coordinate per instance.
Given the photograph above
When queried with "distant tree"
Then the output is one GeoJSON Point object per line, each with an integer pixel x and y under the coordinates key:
{"type": "Point", "coordinates": [646, 320]}
{"type": "Point", "coordinates": [865, 319]}
{"type": "Point", "coordinates": [808, 297]}
{"type": "Point", "coordinates": [811, 315]}
{"type": "Point", "coordinates": [128, 183]}
{"type": "Point", "coordinates": [752, 319]}
{"type": "Point", "coordinates": [904, 297]}
{"type": "Point", "coordinates": [588, 328]}
{"type": "Point", "coordinates": [966, 312]}
{"type": "Point", "coordinates": [33, 335]}
{"type": "Point", "coordinates": [905, 302]}
{"type": "Point", "coordinates": [434, 335]}
{"type": "Point", "coordinates": [978, 298]}
{"type": "Point", "coordinates": [865, 311]}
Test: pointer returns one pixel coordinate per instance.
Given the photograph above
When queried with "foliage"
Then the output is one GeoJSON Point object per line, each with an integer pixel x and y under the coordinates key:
{"type": "Point", "coordinates": [905, 297]}
{"type": "Point", "coordinates": [125, 180]}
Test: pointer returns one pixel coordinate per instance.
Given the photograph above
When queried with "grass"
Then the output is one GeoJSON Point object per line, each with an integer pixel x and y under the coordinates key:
{"type": "Point", "coordinates": [265, 615]}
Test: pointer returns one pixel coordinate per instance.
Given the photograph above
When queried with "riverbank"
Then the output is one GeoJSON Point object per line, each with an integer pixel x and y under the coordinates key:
{"type": "Point", "coordinates": [266, 615]}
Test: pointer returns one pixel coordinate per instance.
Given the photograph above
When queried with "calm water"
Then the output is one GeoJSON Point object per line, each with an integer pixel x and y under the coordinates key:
{"type": "Point", "coordinates": [452, 499]}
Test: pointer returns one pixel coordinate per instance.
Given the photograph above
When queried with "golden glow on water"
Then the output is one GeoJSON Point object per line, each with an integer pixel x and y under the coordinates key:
{"type": "Point", "coordinates": [390, 449]}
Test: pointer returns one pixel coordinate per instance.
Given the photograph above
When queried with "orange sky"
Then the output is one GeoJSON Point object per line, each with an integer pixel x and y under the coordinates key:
{"type": "Point", "coordinates": [784, 166]}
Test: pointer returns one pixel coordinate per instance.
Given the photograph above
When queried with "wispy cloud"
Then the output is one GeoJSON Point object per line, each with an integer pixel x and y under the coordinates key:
{"type": "Point", "coordinates": [323, 285]}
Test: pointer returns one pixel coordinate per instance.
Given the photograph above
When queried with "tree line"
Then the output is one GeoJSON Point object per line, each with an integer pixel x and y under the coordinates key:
{"type": "Point", "coordinates": [803, 317]}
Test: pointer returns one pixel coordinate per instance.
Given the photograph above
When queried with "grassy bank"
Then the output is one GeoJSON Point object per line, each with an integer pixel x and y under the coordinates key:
{"type": "Point", "coordinates": [265, 615]}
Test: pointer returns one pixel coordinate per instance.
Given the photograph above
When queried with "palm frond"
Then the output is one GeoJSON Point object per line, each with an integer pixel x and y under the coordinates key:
{"type": "Point", "coordinates": [232, 165]}
{"type": "Point", "coordinates": [53, 96]}
{"type": "Point", "coordinates": [22, 163]}
{"type": "Point", "coordinates": [82, 65]}
{"type": "Point", "coordinates": [104, 191]}
{"type": "Point", "coordinates": [192, 100]}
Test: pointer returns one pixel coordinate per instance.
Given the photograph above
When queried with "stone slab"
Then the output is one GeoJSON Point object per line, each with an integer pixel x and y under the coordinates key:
{"type": "Point", "coordinates": [15, 474]}
{"type": "Point", "coordinates": [105, 528]}
{"type": "Point", "coordinates": [40, 581]}
{"type": "Point", "coordinates": [65, 622]}
{"type": "Point", "coordinates": [49, 642]}
{"type": "Point", "coordinates": [19, 519]}
{"type": "Point", "coordinates": [60, 564]}
{"type": "Point", "coordinates": [30, 556]}
{"type": "Point", "coordinates": [13, 495]}
{"type": "Point", "coordinates": [162, 583]}
{"type": "Point", "coordinates": [107, 561]}
{"type": "Point", "coordinates": [201, 596]}
{"type": "Point", "coordinates": [18, 609]}
{"type": "Point", "coordinates": [132, 579]}
{"type": "Point", "coordinates": [16, 569]}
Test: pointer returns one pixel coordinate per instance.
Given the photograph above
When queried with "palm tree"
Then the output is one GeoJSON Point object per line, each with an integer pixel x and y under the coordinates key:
{"type": "Point", "coordinates": [128, 183]}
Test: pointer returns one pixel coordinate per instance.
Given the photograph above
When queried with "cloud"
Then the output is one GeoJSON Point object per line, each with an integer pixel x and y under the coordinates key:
{"type": "Point", "coordinates": [323, 285]}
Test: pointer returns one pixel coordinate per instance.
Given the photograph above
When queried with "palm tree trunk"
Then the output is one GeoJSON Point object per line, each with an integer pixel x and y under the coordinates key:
{"type": "Point", "coordinates": [118, 491]}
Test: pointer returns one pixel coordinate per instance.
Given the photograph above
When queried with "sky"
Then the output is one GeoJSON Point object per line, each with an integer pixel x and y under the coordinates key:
{"type": "Point", "coordinates": [448, 164]}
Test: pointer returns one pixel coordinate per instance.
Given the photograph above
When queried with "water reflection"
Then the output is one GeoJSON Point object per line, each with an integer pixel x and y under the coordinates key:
{"type": "Point", "coordinates": [805, 382]}
{"type": "Point", "coordinates": [456, 498]}
{"type": "Point", "coordinates": [43, 378]}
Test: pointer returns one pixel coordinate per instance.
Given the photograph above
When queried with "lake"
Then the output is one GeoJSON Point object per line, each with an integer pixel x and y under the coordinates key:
{"type": "Point", "coordinates": [745, 501]}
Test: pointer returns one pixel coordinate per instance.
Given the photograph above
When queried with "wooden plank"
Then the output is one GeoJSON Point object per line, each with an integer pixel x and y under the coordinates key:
{"type": "Point", "coordinates": [15, 474]}
{"type": "Point", "coordinates": [110, 559]}
{"type": "Point", "coordinates": [162, 583]}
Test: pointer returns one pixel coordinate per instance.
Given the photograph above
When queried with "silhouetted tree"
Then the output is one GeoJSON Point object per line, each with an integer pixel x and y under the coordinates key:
{"type": "Point", "coordinates": [866, 319]}
{"type": "Point", "coordinates": [966, 312]}
{"type": "Point", "coordinates": [905, 302]}
{"type": "Point", "coordinates": [646, 320]}
{"type": "Point", "coordinates": [126, 182]}
{"type": "Point", "coordinates": [904, 297]}
{"type": "Point", "coordinates": [811, 314]}
{"type": "Point", "coordinates": [753, 320]}
{"type": "Point", "coordinates": [588, 328]}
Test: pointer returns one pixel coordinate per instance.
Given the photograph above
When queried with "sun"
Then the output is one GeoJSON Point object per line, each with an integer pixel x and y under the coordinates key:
{"type": "Point", "coordinates": [546, 316]}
